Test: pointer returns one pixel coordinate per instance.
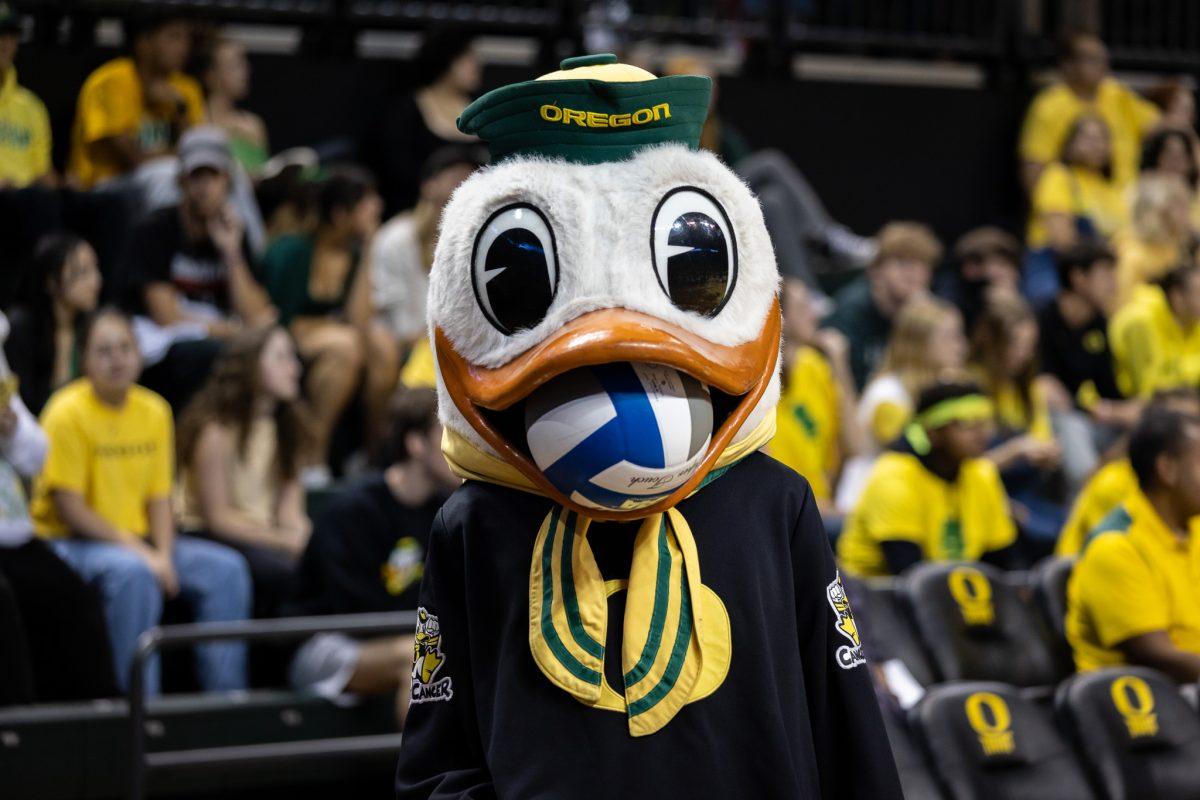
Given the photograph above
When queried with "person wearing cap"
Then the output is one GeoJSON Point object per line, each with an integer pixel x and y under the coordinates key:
{"type": "Point", "coordinates": [1134, 593]}
{"type": "Point", "coordinates": [134, 108]}
{"type": "Point", "coordinates": [610, 638]}
{"type": "Point", "coordinates": [188, 276]}
{"type": "Point", "coordinates": [986, 260]}
{"type": "Point", "coordinates": [865, 308]}
{"type": "Point", "coordinates": [933, 496]}
{"type": "Point", "coordinates": [24, 123]}
{"type": "Point", "coordinates": [402, 253]}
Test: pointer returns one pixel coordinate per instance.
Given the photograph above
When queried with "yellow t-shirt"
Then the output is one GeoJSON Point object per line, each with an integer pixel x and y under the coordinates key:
{"type": "Point", "coordinates": [1139, 262]}
{"type": "Point", "coordinates": [1075, 192]}
{"type": "Point", "coordinates": [420, 370]}
{"type": "Point", "coordinates": [1055, 109]}
{"type": "Point", "coordinates": [1134, 577]}
{"type": "Point", "coordinates": [111, 104]}
{"type": "Point", "coordinates": [1150, 349]}
{"type": "Point", "coordinates": [904, 501]}
{"type": "Point", "coordinates": [117, 459]}
{"type": "Point", "coordinates": [806, 421]}
{"type": "Point", "coordinates": [1109, 487]}
{"type": "Point", "coordinates": [24, 134]}
{"type": "Point", "coordinates": [1010, 412]}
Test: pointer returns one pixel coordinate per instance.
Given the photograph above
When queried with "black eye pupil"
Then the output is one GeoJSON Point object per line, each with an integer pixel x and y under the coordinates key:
{"type": "Point", "coordinates": [697, 279]}
{"type": "Point", "coordinates": [517, 279]}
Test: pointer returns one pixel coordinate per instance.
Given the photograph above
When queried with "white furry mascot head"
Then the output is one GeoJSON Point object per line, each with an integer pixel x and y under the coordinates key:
{"type": "Point", "coordinates": [602, 236]}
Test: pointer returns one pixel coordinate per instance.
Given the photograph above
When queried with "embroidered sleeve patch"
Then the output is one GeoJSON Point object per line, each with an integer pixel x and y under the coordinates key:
{"type": "Point", "coordinates": [428, 659]}
{"type": "Point", "coordinates": [848, 655]}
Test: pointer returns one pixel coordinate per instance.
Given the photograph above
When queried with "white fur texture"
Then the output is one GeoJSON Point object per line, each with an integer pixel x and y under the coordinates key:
{"type": "Point", "coordinates": [601, 217]}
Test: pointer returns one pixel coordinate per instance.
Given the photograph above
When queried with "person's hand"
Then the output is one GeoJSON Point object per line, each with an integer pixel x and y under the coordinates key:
{"type": "Point", "coordinates": [294, 541]}
{"type": "Point", "coordinates": [1057, 396]}
{"type": "Point", "coordinates": [8, 422]}
{"type": "Point", "coordinates": [226, 231]}
{"type": "Point", "coordinates": [159, 92]}
{"type": "Point", "coordinates": [1041, 454]}
{"type": "Point", "coordinates": [164, 571]}
{"type": "Point", "coordinates": [1121, 413]}
{"type": "Point", "coordinates": [833, 343]}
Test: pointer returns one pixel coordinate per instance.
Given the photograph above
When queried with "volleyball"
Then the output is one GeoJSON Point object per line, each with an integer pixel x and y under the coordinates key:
{"type": "Point", "coordinates": [619, 436]}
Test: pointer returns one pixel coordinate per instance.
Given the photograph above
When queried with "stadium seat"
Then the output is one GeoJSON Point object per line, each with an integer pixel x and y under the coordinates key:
{"type": "Point", "coordinates": [987, 742]}
{"type": "Point", "coordinates": [977, 627]}
{"type": "Point", "coordinates": [1049, 580]}
{"type": "Point", "coordinates": [915, 778]}
{"type": "Point", "coordinates": [1137, 735]}
{"type": "Point", "coordinates": [887, 631]}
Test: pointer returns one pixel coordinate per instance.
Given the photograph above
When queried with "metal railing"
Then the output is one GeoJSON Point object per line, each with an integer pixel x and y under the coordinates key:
{"type": "Point", "coordinates": [278, 630]}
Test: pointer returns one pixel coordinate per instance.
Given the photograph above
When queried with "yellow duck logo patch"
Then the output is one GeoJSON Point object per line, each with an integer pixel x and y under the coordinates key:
{"type": "Point", "coordinates": [428, 658]}
{"type": "Point", "coordinates": [851, 655]}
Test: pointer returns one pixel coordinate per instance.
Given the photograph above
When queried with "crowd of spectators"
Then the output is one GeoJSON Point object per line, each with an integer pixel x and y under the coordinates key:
{"type": "Point", "coordinates": [176, 403]}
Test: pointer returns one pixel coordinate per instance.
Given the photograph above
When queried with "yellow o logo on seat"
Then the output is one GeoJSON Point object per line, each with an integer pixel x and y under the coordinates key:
{"type": "Point", "coordinates": [971, 589]}
{"type": "Point", "coordinates": [1134, 701]}
{"type": "Point", "coordinates": [989, 716]}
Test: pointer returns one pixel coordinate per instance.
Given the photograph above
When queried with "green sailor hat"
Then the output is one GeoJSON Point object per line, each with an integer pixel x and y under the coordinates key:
{"type": "Point", "coordinates": [591, 110]}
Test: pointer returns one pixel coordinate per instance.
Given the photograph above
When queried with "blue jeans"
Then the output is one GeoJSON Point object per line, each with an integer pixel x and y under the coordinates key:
{"type": "Point", "coordinates": [213, 579]}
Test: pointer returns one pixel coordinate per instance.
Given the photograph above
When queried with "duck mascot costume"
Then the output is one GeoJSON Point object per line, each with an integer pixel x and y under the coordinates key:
{"type": "Point", "coordinates": [625, 598]}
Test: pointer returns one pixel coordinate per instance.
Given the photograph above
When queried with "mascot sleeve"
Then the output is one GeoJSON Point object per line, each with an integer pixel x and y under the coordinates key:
{"type": "Point", "coordinates": [442, 757]}
{"type": "Point", "coordinates": [851, 746]}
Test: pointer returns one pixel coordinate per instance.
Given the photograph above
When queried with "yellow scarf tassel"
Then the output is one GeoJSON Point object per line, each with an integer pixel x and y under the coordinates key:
{"type": "Point", "coordinates": [676, 645]}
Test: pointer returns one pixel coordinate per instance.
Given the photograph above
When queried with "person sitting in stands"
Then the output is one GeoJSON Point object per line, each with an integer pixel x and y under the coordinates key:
{"type": "Point", "coordinates": [45, 608]}
{"type": "Point", "coordinates": [240, 445]}
{"type": "Point", "coordinates": [1086, 406]}
{"type": "Point", "coordinates": [25, 139]}
{"type": "Point", "coordinates": [932, 496]}
{"type": "Point", "coordinates": [987, 260]}
{"type": "Point", "coordinates": [225, 72]}
{"type": "Point", "coordinates": [1133, 596]}
{"type": "Point", "coordinates": [1086, 87]}
{"type": "Point", "coordinates": [1155, 337]}
{"type": "Point", "coordinates": [103, 500]}
{"type": "Point", "coordinates": [43, 345]}
{"type": "Point", "coordinates": [367, 553]}
{"type": "Point", "coordinates": [188, 273]}
{"type": "Point", "coordinates": [402, 254]}
{"type": "Point", "coordinates": [321, 284]}
{"type": "Point", "coordinates": [865, 308]}
{"type": "Point", "coordinates": [1112, 483]}
{"type": "Point", "coordinates": [815, 429]}
{"type": "Point", "coordinates": [134, 108]}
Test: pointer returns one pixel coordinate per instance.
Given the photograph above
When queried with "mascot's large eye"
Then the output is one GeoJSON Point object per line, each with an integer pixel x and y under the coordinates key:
{"type": "Point", "coordinates": [514, 268]}
{"type": "Point", "coordinates": [694, 250]}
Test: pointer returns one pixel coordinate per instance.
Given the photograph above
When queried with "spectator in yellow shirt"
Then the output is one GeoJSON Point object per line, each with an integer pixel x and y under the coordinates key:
{"type": "Point", "coordinates": [1155, 338]}
{"type": "Point", "coordinates": [1075, 196]}
{"type": "Point", "coordinates": [24, 124]}
{"type": "Point", "coordinates": [1115, 481]}
{"type": "Point", "coordinates": [1085, 87]}
{"type": "Point", "coordinates": [103, 501]}
{"type": "Point", "coordinates": [1159, 235]}
{"type": "Point", "coordinates": [815, 427]}
{"type": "Point", "coordinates": [933, 497]}
{"type": "Point", "coordinates": [133, 109]}
{"type": "Point", "coordinates": [1134, 595]}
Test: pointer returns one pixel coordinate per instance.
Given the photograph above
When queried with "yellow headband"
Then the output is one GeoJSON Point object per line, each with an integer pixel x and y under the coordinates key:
{"type": "Point", "coordinates": [967, 408]}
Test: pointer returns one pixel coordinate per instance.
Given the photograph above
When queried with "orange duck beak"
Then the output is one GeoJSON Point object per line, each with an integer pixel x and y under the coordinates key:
{"type": "Point", "coordinates": [607, 336]}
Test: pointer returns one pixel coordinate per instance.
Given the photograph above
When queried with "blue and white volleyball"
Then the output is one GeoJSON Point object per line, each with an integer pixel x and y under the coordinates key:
{"type": "Point", "coordinates": [619, 436]}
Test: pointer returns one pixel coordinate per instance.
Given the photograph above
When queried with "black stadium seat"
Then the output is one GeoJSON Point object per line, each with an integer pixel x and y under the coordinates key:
{"type": "Point", "coordinates": [977, 627]}
{"type": "Point", "coordinates": [887, 631]}
{"type": "Point", "coordinates": [987, 742]}
{"type": "Point", "coordinates": [1137, 735]}
{"type": "Point", "coordinates": [1049, 579]}
{"type": "Point", "coordinates": [915, 778]}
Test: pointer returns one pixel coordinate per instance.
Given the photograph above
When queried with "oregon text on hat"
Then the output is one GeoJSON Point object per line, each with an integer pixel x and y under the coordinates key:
{"type": "Point", "coordinates": [590, 111]}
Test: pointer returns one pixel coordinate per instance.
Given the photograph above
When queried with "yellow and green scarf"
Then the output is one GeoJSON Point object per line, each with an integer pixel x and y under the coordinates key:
{"type": "Point", "coordinates": [676, 643]}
